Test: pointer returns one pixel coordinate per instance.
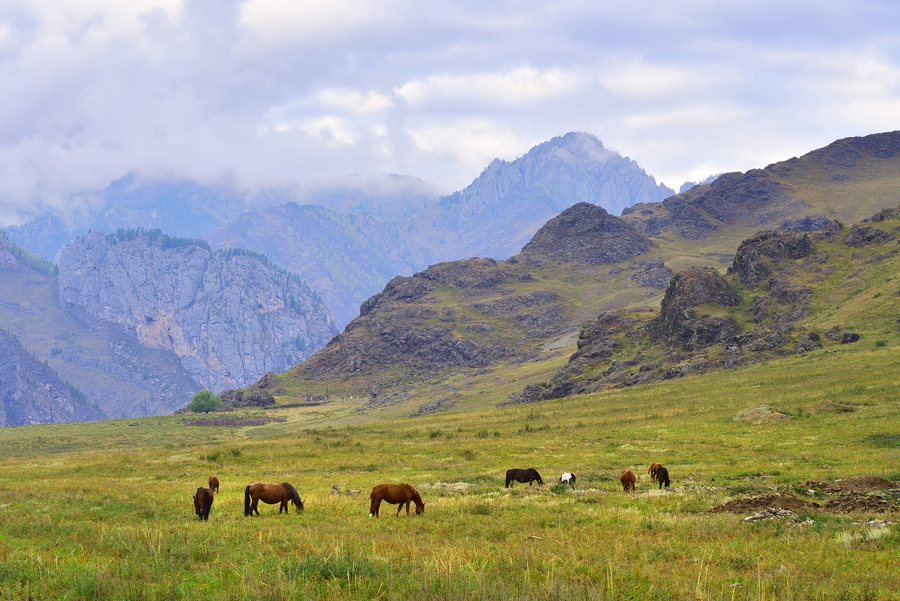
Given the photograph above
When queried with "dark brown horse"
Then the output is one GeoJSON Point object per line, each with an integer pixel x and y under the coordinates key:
{"type": "Point", "coordinates": [270, 493]}
{"type": "Point", "coordinates": [399, 494]}
{"type": "Point", "coordinates": [654, 467]}
{"type": "Point", "coordinates": [214, 484]}
{"type": "Point", "coordinates": [203, 500]}
{"type": "Point", "coordinates": [517, 475]}
{"type": "Point", "coordinates": [662, 476]}
{"type": "Point", "coordinates": [627, 478]}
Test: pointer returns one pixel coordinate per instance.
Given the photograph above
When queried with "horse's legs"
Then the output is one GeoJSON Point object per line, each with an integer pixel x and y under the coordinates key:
{"type": "Point", "coordinates": [253, 507]}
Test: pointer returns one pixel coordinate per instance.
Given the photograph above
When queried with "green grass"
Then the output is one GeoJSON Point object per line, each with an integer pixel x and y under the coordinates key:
{"type": "Point", "coordinates": [103, 510]}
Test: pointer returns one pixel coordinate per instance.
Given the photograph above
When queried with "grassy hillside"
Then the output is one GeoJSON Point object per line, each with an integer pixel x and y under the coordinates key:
{"type": "Point", "coordinates": [103, 510]}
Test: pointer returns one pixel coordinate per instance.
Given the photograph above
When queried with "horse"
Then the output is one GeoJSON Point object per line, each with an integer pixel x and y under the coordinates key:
{"type": "Point", "coordinates": [529, 475]}
{"type": "Point", "coordinates": [654, 467]}
{"type": "Point", "coordinates": [662, 476]}
{"type": "Point", "coordinates": [399, 494]}
{"type": "Point", "coordinates": [627, 478]}
{"type": "Point", "coordinates": [271, 493]}
{"type": "Point", "coordinates": [203, 500]}
{"type": "Point", "coordinates": [214, 484]}
{"type": "Point", "coordinates": [567, 478]}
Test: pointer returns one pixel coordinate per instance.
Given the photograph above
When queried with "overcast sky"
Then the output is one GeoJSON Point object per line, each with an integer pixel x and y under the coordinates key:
{"type": "Point", "coordinates": [268, 93]}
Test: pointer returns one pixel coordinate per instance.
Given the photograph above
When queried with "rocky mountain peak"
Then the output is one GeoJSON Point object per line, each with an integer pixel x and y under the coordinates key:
{"type": "Point", "coordinates": [585, 234]}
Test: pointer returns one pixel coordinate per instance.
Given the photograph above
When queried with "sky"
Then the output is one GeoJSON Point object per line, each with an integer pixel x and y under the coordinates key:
{"type": "Point", "coordinates": [277, 93]}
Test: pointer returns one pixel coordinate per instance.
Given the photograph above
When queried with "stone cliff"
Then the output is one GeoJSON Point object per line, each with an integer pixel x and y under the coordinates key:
{"type": "Point", "coordinates": [229, 317]}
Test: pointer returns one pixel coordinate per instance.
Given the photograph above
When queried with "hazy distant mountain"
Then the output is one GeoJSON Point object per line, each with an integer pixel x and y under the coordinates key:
{"type": "Point", "coordinates": [688, 185]}
{"type": "Point", "coordinates": [496, 215]}
{"type": "Point", "coordinates": [345, 258]}
{"type": "Point", "coordinates": [386, 196]}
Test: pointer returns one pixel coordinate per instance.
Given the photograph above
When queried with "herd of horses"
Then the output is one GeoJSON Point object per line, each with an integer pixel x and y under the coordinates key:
{"type": "Point", "coordinates": [401, 495]}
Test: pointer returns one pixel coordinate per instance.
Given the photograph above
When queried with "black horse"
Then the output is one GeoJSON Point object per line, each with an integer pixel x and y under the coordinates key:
{"type": "Point", "coordinates": [529, 475]}
{"type": "Point", "coordinates": [662, 476]}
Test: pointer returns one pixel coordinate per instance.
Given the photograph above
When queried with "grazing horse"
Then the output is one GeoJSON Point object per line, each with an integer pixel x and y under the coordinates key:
{"type": "Point", "coordinates": [271, 493]}
{"type": "Point", "coordinates": [214, 484]}
{"type": "Point", "coordinates": [662, 476]}
{"type": "Point", "coordinates": [529, 475]}
{"type": "Point", "coordinates": [203, 500]}
{"type": "Point", "coordinates": [567, 478]}
{"type": "Point", "coordinates": [627, 478]}
{"type": "Point", "coordinates": [398, 494]}
{"type": "Point", "coordinates": [654, 467]}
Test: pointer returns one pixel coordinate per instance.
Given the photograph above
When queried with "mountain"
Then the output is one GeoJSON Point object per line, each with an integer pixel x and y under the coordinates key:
{"type": "Point", "coordinates": [847, 180]}
{"type": "Point", "coordinates": [229, 316]}
{"type": "Point", "coordinates": [344, 258]}
{"type": "Point", "coordinates": [347, 258]}
{"type": "Point", "coordinates": [31, 393]}
{"type": "Point", "coordinates": [655, 278]}
{"type": "Point", "coordinates": [497, 214]}
{"type": "Point", "coordinates": [474, 313]}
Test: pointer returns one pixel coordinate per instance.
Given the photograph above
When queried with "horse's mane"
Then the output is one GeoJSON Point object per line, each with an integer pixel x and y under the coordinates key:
{"type": "Point", "coordinates": [415, 493]}
{"type": "Point", "coordinates": [292, 492]}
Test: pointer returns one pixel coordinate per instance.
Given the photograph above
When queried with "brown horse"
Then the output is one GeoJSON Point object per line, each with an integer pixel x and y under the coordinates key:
{"type": "Point", "coordinates": [654, 467]}
{"type": "Point", "coordinates": [271, 493]}
{"type": "Point", "coordinates": [214, 484]}
{"type": "Point", "coordinates": [203, 500]}
{"type": "Point", "coordinates": [627, 478]}
{"type": "Point", "coordinates": [399, 494]}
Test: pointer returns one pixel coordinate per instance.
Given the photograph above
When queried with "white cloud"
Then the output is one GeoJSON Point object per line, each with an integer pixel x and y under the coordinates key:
{"type": "Point", "coordinates": [277, 92]}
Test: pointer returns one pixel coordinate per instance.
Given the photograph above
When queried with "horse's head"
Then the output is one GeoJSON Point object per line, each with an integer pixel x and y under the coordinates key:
{"type": "Point", "coordinates": [299, 504]}
{"type": "Point", "coordinates": [420, 509]}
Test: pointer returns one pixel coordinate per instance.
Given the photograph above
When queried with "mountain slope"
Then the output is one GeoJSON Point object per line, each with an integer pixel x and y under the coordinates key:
{"type": "Point", "coordinates": [31, 393]}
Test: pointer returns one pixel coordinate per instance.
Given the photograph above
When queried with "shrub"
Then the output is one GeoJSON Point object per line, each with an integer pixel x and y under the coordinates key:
{"type": "Point", "coordinates": [204, 402]}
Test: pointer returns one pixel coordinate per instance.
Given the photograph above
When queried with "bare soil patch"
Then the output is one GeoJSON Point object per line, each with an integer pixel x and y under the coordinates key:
{"type": "Point", "coordinates": [859, 502]}
{"type": "Point", "coordinates": [856, 483]}
{"type": "Point", "coordinates": [780, 500]}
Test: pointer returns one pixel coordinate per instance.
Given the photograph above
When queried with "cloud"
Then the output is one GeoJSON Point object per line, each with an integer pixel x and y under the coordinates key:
{"type": "Point", "coordinates": [265, 93]}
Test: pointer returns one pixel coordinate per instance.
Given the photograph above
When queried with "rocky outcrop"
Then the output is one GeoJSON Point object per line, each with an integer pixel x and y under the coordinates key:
{"type": "Point", "coordinates": [229, 317]}
{"type": "Point", "coordinates": [31, 393]}
{"type": "Point", "coordinates": [406, 326]}
{"type": "Point", "coordinates": [688, 290]}
{"type": "Point", "coordinates": [584, 234]}
{"type": "Point", "coordinates": [758, 258]}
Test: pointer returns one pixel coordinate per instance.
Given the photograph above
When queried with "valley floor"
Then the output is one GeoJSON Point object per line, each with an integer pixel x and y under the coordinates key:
{"type": "Point", "coordinates": [103, 510]}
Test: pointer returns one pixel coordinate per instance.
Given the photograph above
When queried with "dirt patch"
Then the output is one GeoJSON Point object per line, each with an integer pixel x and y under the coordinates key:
{"type": "Point", "coordinates": [853, 502]}
{"type": "Point", "coordinates": [752, 504]}
{"type": "Point", "coordinates": [856, 483]}
{"type": "Point", "coordinates": [762, 414]}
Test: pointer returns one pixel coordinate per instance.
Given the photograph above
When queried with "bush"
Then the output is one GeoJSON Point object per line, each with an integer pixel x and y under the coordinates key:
{"type": "Point", "coordinates": [204, 402]}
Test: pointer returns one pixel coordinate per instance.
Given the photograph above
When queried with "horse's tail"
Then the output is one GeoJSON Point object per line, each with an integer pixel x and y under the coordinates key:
{"type": "Point", "coordinates": [207, 503]}
{"type": "Point", "coordinates": [247, 501]}
{"type": "Point", "coordinates": [508, 477]}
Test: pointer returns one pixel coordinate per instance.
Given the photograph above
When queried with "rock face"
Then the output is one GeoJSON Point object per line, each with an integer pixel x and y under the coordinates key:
{"type": "Point", "coordinates": [585, 234]}
{"type": "Point", "coordinates": [30, 393]}
{"type": "Point", "coordinates": [687, 291]}
{"type": "Point", "coordinates": [229, 317]}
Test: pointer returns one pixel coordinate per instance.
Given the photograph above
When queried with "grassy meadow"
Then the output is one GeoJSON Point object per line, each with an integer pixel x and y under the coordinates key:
{"type": "Point", "coordinates": [103, 510]}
